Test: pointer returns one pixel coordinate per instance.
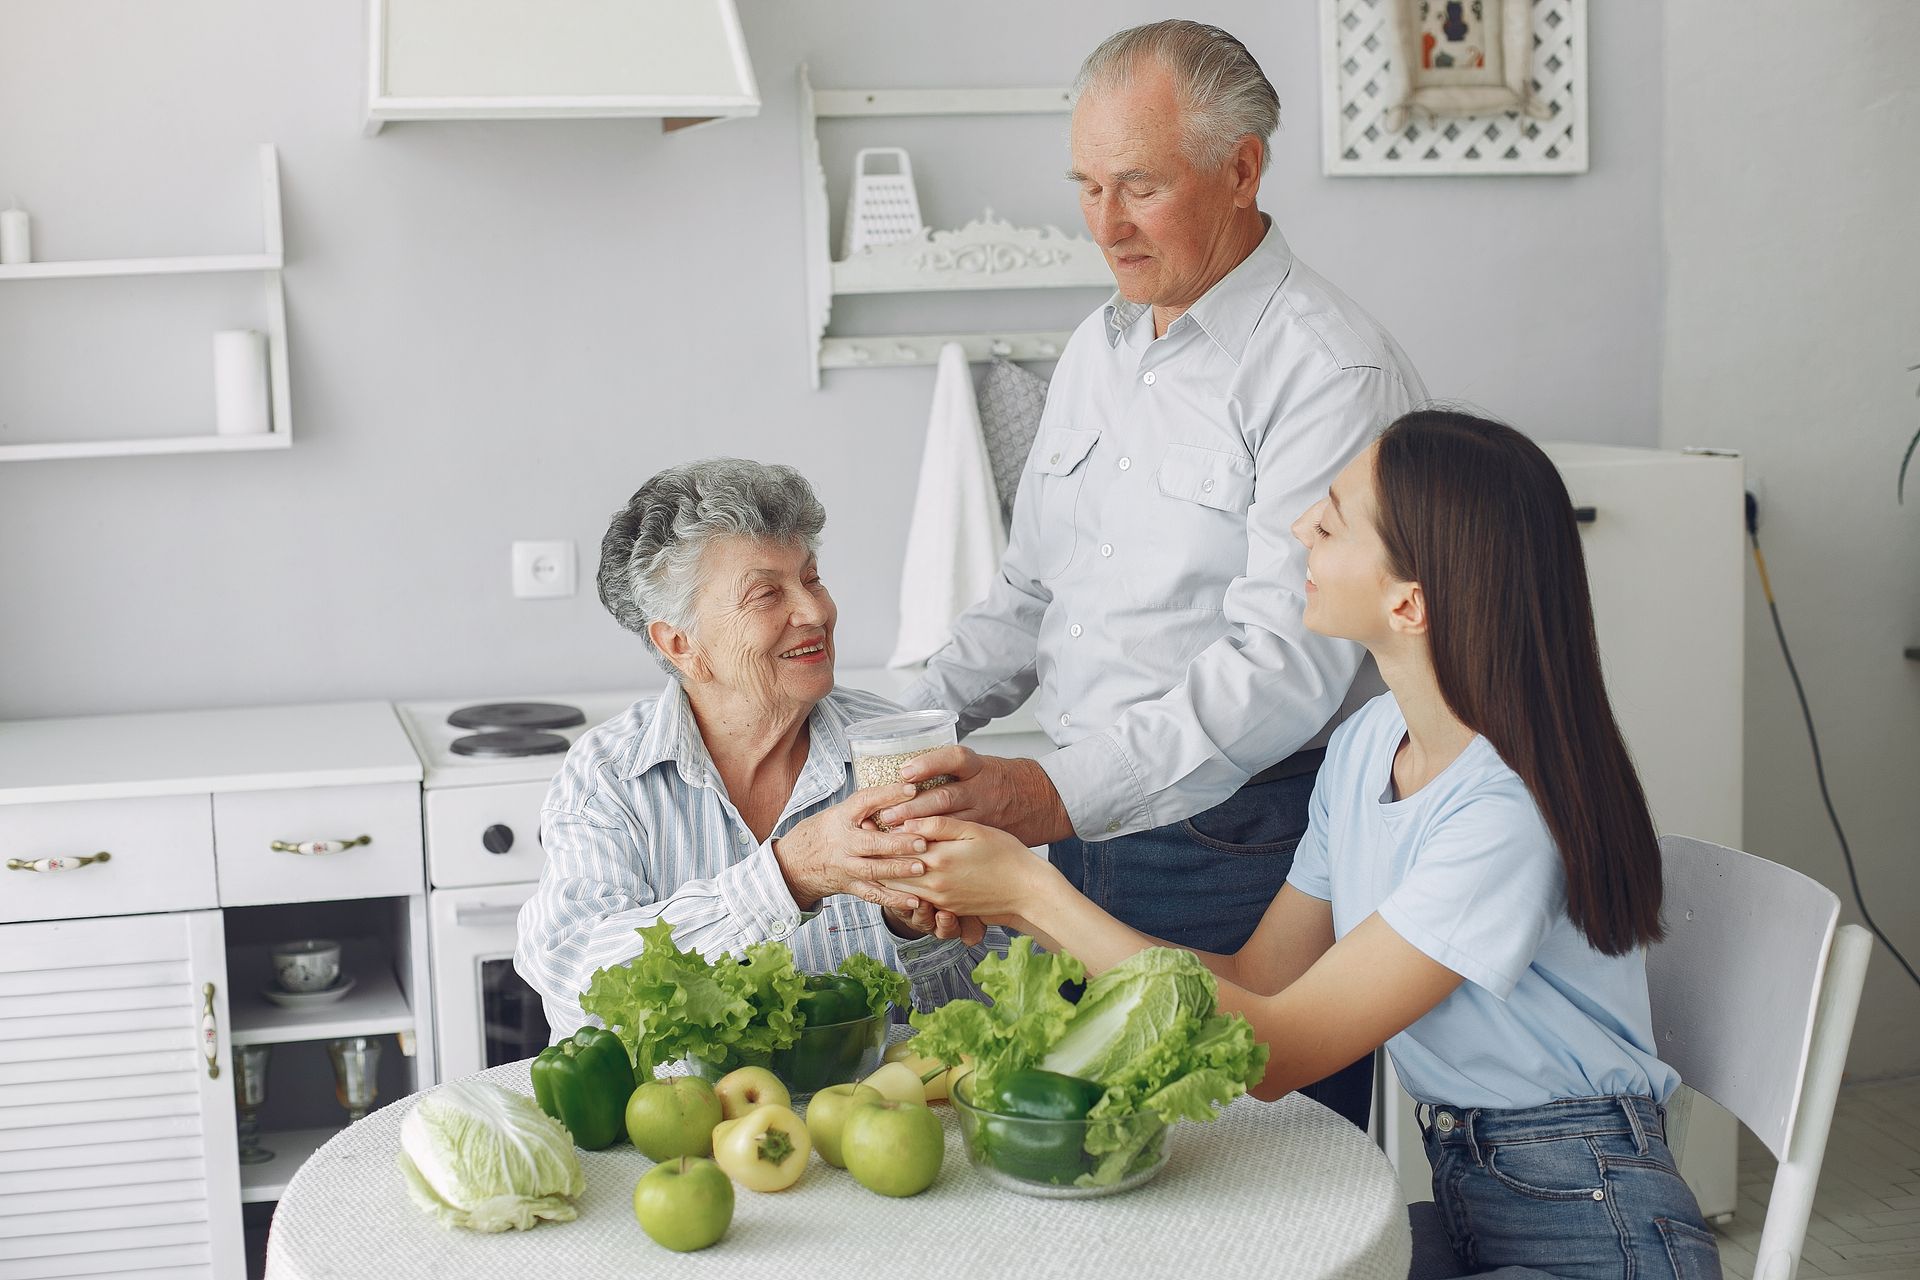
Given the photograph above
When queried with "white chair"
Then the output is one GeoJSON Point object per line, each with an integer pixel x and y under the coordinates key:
{"type": "Point", "coordinates": [1754, 991]}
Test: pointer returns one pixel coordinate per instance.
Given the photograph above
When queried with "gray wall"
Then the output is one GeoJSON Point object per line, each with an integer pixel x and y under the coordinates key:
{"type": "Point", "coordinates": [499, 330]}
{"type": "Point", "coordinates": [1793, 312]}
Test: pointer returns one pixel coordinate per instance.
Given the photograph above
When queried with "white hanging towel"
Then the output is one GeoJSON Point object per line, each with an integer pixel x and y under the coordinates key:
{"type": "Point", "coordinates": [956, 539]}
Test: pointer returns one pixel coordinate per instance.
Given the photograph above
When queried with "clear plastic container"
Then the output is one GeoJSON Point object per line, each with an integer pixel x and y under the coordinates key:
{"type": "Point", "coordinates": [884, 743]}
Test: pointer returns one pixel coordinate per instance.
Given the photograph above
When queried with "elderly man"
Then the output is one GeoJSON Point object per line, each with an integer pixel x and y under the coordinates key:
{"type": "Point", "coordinates": [1151, 595]}
{"type": "Point", "coordinates": [725, 806]}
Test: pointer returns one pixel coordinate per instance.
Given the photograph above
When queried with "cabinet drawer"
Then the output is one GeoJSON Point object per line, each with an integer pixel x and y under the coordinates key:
{"type": "Point", "coordinates": [161, 859]}
{"type": "Point", "coordinates": [248, 824]}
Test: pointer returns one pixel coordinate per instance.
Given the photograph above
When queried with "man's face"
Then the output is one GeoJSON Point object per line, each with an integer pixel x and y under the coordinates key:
{"type": "Point", "coordinates": [1162, 223]}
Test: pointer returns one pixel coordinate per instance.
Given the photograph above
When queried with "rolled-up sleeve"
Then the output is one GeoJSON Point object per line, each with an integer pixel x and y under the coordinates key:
{"type": "Point", "coordinates": [1268, 686]}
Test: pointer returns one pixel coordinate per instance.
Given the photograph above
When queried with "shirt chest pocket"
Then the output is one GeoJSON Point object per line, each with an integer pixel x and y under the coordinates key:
{"type": "Point", "coordinates": [1207, 477]}
{"type": "Point", "coordinates": [1058, 464]}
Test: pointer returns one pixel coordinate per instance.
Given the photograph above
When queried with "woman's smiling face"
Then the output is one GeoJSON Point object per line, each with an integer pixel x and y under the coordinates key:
{"type": "Point", "coordinates": [763, 622]}
{"type": "Point", "coordinates": [1350, 590]}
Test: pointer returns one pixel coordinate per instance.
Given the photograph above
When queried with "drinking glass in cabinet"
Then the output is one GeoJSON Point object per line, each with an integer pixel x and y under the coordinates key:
{"type": "Point", "coordinates": [356, 1068]}
{"type": "Point", "coordinates": [249, 1091]}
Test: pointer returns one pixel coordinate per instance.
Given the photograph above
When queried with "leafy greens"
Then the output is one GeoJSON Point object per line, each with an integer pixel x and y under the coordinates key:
{"type": "Point", "coordinates": [1148, 1030]}
{"type": "Point", "coordinates": [666, 1003]}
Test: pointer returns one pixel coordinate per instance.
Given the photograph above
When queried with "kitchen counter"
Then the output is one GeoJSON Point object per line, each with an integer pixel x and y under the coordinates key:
{"type": "Point", "coordinates": [187, 752]}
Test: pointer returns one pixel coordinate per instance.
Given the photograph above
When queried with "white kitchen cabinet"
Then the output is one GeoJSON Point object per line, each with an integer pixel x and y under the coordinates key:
{"type": "Point", "coordinates": [71, 859]}
{"type": "Point", "coordinates": [117, 1148]}
{"type": "Point", "coordinates": [310, 844]}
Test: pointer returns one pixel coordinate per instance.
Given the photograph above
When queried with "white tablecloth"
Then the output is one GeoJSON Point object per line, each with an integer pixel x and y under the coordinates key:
{"type": "Point", "coordinates": [1282, 1189]}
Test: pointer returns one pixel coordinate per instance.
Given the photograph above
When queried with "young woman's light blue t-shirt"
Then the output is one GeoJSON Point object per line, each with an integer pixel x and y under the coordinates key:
{"type": "Point", "coordinates": [1465, 870]}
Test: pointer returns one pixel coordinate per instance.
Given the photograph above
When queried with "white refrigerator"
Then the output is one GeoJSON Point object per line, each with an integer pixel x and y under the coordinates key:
{"type": "Point", "coordinates": [1665, 543]}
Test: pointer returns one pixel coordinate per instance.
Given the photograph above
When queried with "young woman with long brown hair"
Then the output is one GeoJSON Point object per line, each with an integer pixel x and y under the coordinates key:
{"type": "Point", "coordinates": [1479, 877]}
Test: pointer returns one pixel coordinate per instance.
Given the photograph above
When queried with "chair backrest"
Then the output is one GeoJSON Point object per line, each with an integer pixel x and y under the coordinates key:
{"type": "Point", "coordinates": [1735, 983]}
{"type": "Point", "coordinates": [1753, 993]}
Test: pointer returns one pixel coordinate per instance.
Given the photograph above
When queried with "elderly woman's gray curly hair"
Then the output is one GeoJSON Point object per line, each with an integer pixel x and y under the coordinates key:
{"type": "Point", "coordinates": [650, 558]}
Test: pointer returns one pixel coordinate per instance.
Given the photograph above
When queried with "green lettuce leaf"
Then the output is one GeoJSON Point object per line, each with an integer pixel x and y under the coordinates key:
{"type": "Point", "coordinates": [772, 987]}
{"type": "Point", "coordinates": [1128, 1010]}
{"type": "Point", "coordinates": [666, 1003]}
{"type": "Point", "coordinates": [884, 986]}
{"type": "Point", "coordinates": [1028, 1014]}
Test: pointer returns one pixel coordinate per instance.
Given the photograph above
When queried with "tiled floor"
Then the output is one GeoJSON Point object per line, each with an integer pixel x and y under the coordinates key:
{"type": "Point", "coordinates": [1866, 1213]}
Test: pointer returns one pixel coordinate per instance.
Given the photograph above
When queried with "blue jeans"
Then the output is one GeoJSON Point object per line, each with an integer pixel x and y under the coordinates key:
{"type": "Point", "coordinates": [1206, 882]}
{"type": "Point", "coordinates": [1580, 1189]}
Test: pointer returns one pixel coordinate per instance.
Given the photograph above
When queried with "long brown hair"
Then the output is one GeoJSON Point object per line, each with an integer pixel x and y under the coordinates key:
{"type": "Point", "coordinates": [1476, 514]}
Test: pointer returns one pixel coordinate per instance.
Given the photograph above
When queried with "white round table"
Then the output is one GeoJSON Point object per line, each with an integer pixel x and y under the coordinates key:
{"type": "Point", "coordinates": [1283, 1189]}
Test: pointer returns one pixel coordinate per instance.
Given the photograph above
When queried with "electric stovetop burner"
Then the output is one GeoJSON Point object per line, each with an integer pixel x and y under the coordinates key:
{"type": "Point", "coordinates": [507, 743]}
{"type": "Point", "coordinates": [516, 715]}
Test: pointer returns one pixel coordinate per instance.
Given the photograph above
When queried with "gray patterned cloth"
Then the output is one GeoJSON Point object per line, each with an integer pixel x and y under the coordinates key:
{"type": "Point", "coordinates": [1269, 1189]}
{"type": "Point", "coordinates": [1011, 400]}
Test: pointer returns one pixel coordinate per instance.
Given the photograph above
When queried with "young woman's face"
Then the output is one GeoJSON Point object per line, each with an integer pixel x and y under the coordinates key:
{"type": "Point", "coordinates": [1350, 590]}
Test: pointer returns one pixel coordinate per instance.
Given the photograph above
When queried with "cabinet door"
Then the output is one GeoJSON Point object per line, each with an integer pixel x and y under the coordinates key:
{"type": "Point", "coordinates": [117, 1143]}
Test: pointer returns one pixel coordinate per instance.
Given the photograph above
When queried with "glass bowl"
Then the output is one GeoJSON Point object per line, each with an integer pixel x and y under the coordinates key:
{"type": "Point", "coordinates": [1048, 1158]}
{"type": "Point", "coordinates": [828, 1054]}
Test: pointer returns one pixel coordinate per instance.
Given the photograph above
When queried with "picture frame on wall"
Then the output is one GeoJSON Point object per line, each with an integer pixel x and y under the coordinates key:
{"type": "Point", "coordinates": [1415, 87]}
{"type": "Point", "coordinates": [1460, 58]}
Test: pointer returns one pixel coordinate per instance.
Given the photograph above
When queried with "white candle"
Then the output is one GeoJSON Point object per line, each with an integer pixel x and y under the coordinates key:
{"type": "Point", "coordinates": [16, 238]}
{"type": "Point", "coordinates": [240, 383]}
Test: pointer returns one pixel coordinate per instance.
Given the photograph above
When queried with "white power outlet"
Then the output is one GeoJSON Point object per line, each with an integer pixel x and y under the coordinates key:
{"type": "Point", "coordinates": [543, 569]}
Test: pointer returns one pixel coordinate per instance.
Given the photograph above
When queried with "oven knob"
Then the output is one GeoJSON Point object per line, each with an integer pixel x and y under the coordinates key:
{"type": "Point", "coordinates": [497, 838]}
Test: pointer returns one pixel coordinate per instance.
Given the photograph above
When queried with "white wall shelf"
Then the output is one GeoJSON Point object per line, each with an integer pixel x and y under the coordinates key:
{"type": "Point", "coordinates": [267, 263]}
{"type": "Point", "coordinates": [986, 253]}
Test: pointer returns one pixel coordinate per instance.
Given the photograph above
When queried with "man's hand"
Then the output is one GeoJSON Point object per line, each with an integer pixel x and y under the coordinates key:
{"type": "Point", "coordinates": [839, 850]}
{"type": "Point", "coordinates": [1015, 795]}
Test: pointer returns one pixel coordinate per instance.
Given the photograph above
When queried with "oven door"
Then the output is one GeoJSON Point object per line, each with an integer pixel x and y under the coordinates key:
{"type": "Point", "coordinates": [484, 1014]}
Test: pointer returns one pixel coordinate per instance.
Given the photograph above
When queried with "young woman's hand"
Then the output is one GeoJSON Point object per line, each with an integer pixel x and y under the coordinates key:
{"type": "Point", "coordinates": [971, 870]}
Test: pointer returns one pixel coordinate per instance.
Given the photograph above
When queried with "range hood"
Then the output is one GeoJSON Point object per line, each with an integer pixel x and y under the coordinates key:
{"type": "Point", "coordinates": [681, 61]}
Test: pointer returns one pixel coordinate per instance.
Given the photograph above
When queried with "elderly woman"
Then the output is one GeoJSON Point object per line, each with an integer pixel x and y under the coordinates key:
{"type": "Point", "coordinates": [725, 806]}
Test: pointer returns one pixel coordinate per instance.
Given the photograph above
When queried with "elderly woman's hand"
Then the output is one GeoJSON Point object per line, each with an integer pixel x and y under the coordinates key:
{"type": "Point", "coordinates": [840, 850]}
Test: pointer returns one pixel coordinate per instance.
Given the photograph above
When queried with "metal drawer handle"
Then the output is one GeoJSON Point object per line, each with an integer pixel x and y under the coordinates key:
{"type": "Point", "coordinates": [319, 846]}
{"type": "Point", "coordinates": [57, 864]}
{"type": "Point", "coordinates": [210, 1033]}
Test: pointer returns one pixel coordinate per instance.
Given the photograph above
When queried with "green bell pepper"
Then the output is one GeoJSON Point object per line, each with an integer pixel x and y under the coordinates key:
{"type": "Point", "coordinates": [836, 1034]}
{"type": "Point", "coordinates": [1038, 1152]}
{"type": "Point", "coordinates": [830, 998]}
{"type": "Point", "coordinates": [584, 1082]}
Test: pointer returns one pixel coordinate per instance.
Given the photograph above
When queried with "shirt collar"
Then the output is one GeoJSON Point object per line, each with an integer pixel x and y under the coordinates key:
{"type": "Point", "coordinates": [1229, 310]}
{"type": "Point", "coordinates": [674, 735]}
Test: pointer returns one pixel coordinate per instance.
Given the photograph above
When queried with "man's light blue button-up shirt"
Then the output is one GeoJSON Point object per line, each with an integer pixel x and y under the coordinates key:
{"type": "Point", "coordinates": [1152, 592]}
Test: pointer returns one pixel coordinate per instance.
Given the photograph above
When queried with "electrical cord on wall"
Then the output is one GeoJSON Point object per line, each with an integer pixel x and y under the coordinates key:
{"type": "Point", "coordinates": [1819, 768]}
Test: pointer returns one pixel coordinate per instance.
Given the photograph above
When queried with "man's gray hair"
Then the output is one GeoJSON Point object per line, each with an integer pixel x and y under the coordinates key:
{"type": "Point", "coordinates": [1224, 96]}
{"type": "Point", "coordinates": [650, 558]}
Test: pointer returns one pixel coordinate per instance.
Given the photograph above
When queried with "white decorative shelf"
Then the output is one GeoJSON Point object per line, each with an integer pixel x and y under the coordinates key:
{"type": "Point", "coordinates": [142, 267]}
{"type": "Point", "coordinates": [268, 263]}
{"type": "Point", "coordinates": [986, 253]}
{"type": "Point", "coordinates": [268, 1182]}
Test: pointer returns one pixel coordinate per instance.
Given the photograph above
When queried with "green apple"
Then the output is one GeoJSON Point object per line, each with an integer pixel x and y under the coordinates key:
{"type": "Point", "coordinates": [827, 1113]}
{"type": "Point", "coordinates": [745, 1088]}
{"type": "Point", "coordinates": [894, 1148]}
{"type": "Point", "coordinates": [673, 1117]}
{"type": "Point", "coordinates": [684, 1204]}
